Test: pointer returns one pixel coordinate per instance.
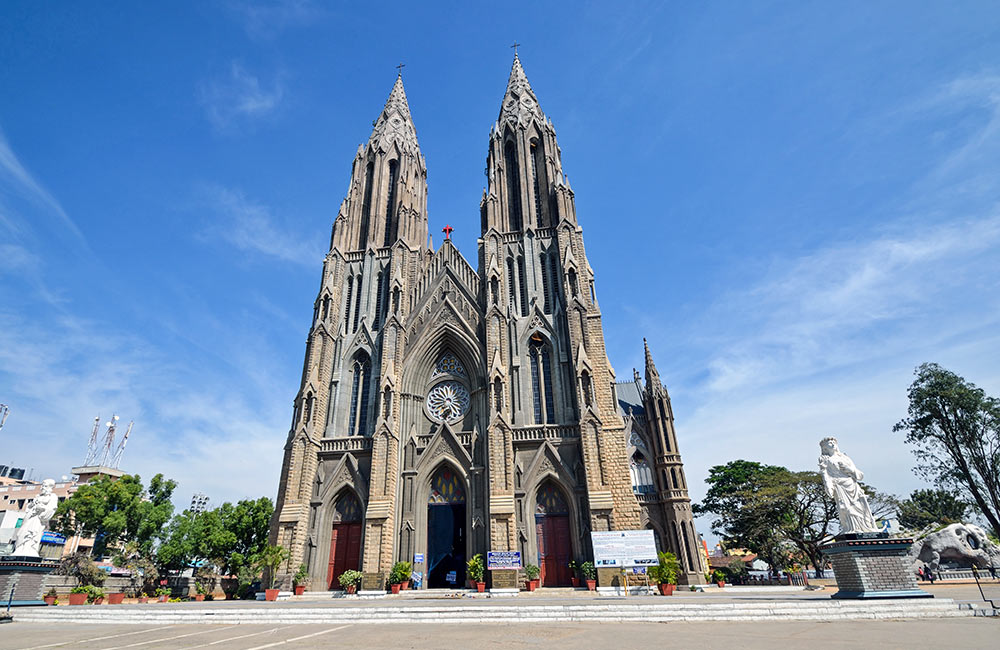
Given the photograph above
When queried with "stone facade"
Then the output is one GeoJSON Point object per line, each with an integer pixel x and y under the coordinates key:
{"type": "Point", "coordinates": [419, 367]}
{"type": "Point", "coordinates": [873, 568]}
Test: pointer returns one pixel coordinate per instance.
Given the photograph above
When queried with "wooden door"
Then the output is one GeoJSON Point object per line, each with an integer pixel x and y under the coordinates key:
{"type": "Point", "coordinates": [345, 551]}
{"type": "Point", "coordinates": [553, 550]}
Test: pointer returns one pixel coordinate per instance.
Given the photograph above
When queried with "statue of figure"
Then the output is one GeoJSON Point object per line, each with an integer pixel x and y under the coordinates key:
{"type": "Point", "coordinates": [843, 483]}
{"type": "Point", "coordinates": [36, 518]}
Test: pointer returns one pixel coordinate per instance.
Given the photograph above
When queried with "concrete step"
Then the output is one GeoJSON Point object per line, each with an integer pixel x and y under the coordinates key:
{"type": "Point", "coordinates": [598, 612]}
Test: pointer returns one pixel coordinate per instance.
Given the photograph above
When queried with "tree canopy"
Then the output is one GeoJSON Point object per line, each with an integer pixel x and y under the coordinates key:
{"type": "Point", "coordinates": [954, 430]}
{"type": "Point", "coordinates": [927, 507]}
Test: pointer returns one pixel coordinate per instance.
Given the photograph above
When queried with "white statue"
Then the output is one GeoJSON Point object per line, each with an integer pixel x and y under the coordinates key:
{"type": "Point", "coordinates": [36, 518]}
{"type": "Point", "coordinates": [843, 483]}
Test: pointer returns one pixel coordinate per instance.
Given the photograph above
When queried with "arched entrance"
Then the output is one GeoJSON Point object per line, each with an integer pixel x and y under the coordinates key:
{"type": "Point", "coordinates": [446, 530]}
{"type": "Point", "coordinates": [345, 540]}
{"type": "Point", "coordinates": [552, 531]}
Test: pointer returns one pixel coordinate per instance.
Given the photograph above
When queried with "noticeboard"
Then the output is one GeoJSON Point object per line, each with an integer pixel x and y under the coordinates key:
{"type": "Point", "coordinates": [503, 560]}
{"type": "Point", "coordinates": [624, 548]}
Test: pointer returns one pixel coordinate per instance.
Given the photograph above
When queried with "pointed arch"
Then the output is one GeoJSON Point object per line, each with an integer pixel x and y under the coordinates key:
{"type": "Point", "coordinates": [366, 206]}
{"type": "Point", "coordinates": [361, 371]}
{"type": "Point", "coordinates": [391, 222]}
{"type": "Point", "coordinates": [513, 185]}
{"type": "Point", "coordinates": [540, 362]}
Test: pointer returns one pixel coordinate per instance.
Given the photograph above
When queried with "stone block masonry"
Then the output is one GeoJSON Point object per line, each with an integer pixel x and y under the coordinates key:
{"type": "Point", "coordinates": [873, 568]}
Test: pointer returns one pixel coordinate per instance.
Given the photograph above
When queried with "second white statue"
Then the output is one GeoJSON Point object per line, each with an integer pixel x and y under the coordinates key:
{"type": "Point", "coordinates": [842, 480]}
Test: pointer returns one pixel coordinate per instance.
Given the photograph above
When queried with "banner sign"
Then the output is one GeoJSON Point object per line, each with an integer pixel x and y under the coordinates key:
{"type": "Point", "coordinates": [418, 558]}
{"type": "Point", "coordinates": [624, 548]}
{"type": "Point", "coordinates": [53, 538]}
{"type": "Point", "coordinates": [503, 560]}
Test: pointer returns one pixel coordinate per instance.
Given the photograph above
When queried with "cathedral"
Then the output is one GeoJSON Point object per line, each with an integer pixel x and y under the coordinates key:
{"type": "Point", "coordinates": [447, 410]}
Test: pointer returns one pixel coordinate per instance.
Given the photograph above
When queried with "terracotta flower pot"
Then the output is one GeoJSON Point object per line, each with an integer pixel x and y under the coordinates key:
{"type": "Point", "coordinates": [99, 601]}
{"type": "Point", "coordinates": [143, 599]}
{"type": "Point", "coordinates": [271, 595]}
{"type": "Point", "coordinates": [199, 598]}
{"type": "Point", "coordinates": [537, 582]}
{"type": "Point", "coordinates": [116, 598]}
{"type": "Point", "coordinates": [721, 583]}
{"type": "Point", "coordinates": [592, 585]}
{"type": "Point", "coordinates": [50, 600]}
{"type": "Point", "coordinates": [480, 587]}
{"type": "Point", "coordinates": [404, 585]}
{"type": "Point", "coordinates": [395, 588]}
{"type": "Point", "coordinates": [161, 599]}
{"type": "Point", "coordinates": [78, 599]}
{"type": "Point", "coordinates": [300, 589]}
{"type": "Point", "coordinates": [575, 581]}
{"type": "Point", "coordinates": [529, 585]}
{"type": "Point", "coordinates": [666, 590]}
{"type": "Point", "coordinates": [351, 588]}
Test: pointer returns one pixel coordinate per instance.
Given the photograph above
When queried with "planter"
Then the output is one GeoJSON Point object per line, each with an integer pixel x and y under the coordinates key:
{"type": "Point", "coordinates": [50, 600]}
{"type": "Point", "coordinates": [395, 588]}
{"type": "Point", "coordinates": [480, 587]}
{"type": "Point", "coordinates": [199, 598]}
{"type": "Point", "coordinates": [666, 590]}
{"type": "Point", "coordinates": [78, 599]}
{"type": "Point", "coordinates": [99, 601]}
{"type": "Point", "coordinates": [161, 599]}
{"type": "Point", "coordinates": [721, 583]}
{"type": "Point", "coordinates": [300, 589]}
{"type": "Point", "coordinates": [116, 599]}
{"type": "Point", "coordinates": [592, 585]}
{"type": "Point", "coordinates": [143, 599]}
{"type": "Point", "coordinates": [271, 595]}
{"type": "Point", "coordinates": [576, 581]}
{"type": "Point", "coordinates": [404, 585]}
{"type": "Point", "coordinates": [529, 585]}
{"type": "Point", "coordinates": [350, 589]}
{"type": "Point", "coordinates": [537, 582]}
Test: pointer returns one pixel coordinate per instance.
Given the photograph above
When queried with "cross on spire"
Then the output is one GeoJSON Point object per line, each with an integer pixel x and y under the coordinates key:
{"type": "Point", "coordinates": [400, 68]}
{"type": "Point", "coordinates": [447, 230]}
{"type": "Point", "coordinates": [515, 46]}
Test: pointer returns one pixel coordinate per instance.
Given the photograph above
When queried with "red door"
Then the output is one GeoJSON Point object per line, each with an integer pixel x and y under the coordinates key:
{"type": "Point", "coordinates": [553, 550]}
{"type": "Point", "coordinates": [345, 551]}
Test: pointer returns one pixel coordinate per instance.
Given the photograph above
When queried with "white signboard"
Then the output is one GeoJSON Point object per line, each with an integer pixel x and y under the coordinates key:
{"type": "Point", "coordinates": [628, 548]}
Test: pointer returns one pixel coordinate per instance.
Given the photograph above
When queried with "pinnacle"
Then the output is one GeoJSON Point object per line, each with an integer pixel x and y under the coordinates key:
{"type": "Point", "coordinates": [395, 124]}
{"type": "Point", "coordinates": [652, 376]}
{"type": "Point", "coordinates": [519, 101]}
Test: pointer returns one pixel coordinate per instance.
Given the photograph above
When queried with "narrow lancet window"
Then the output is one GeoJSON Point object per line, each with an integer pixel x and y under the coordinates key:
{"type": "Point", "coordinates": [366, 207]}
{"type": "Point", "coordinates": [390, 205]}
{"type": "Point", "coordinates": [513, 186]}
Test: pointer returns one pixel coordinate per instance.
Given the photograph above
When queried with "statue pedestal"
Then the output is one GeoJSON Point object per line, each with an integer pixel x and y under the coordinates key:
{"type": "Point", "coordinates": [873, 565]}
{"type": "Point", "coordinates": [26, 577]}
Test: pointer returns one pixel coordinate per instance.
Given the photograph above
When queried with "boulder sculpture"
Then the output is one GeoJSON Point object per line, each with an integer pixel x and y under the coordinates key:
{"type": "Point", "coordinates": [966, 544]}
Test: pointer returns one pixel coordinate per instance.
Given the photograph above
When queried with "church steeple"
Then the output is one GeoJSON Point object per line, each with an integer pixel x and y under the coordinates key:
{"type": "Point", "coordinates": [520, 105]}
{"type": "Point", "coordinates": [653, 383]}
{"type": "Point", "coordinates": [387, 197]}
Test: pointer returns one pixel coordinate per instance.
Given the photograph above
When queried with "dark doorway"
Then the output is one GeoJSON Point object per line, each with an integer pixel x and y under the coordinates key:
{"type": "Point", "coordinates": [555, 550]}
{"type": "Point", "coordinates": [446, 525]}
{"type": "Point", "coordinates": [345, 539]}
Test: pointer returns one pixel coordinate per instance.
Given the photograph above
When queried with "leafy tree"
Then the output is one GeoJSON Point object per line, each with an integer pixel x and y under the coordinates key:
{"type": "Point", "coordinates": [954, 428]}
{"type": "Point", "coordinates": [80, 566]}
{"type": "Point", "coordinates": [115, 511]}
{"type": "Point", "coordinates": [926, 507]}
{"type": "Point", "coordinates": [751, 504]}
{"type": "Point", "coordinates": [806, 522]}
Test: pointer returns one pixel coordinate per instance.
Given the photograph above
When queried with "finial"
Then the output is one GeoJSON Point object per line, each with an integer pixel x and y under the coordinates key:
{"type": "Point", "coordinates": [515, 46]}
{"type": "Point", "coordinates": [400, 69]}
{"type": "Point", "coordinates": [447, 230]}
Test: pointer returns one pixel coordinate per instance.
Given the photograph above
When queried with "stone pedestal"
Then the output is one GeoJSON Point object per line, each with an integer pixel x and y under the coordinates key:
{"type": "Point", "coordinates": [873, 565]}
{"type": "Point", "coordinates": [26, 577]}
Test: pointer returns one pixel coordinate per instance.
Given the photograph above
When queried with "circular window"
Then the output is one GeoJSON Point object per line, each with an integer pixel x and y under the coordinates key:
{"type": "Point", "coordinates": [448, 401]}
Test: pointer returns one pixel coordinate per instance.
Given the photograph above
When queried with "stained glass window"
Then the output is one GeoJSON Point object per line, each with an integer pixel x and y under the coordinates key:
{"type": "Point", "coordinates": [448, 364]}
{"type": "Point", "coordinates": [448, 401]}
{"type": "Point", "coordinates": [446, 487]}
{"type": "Point", "coordinates": [347, 509]}
{"type": "Point", "coordinates": [550, 501]}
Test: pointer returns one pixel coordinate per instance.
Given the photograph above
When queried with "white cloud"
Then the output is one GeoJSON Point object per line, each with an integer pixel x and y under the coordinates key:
{"type": "Point", "coordinates": [266, 19]}
{"type": "Point", "coordinates": [239, 98]}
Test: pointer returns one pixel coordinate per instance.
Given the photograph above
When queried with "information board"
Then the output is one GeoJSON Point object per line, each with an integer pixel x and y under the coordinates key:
{"type": "Point", "coordinates": [49, 537]}
{"type": "Point", "coordinates": [418, 558]}
{"type": "Point", "coordinates": [503, 560]}
{"type": "Point", "coordinates": [624, 548]}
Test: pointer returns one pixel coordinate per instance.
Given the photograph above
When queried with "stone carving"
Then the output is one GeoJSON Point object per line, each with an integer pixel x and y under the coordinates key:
{"type": "Point", "coordinates": [966, 543]}
{"type": "Point", "coordinates": [36, 518]}
{"type": "Point", "coordinates": [842, 480]}
{"type": "Point", "coordinates": [448, 401]}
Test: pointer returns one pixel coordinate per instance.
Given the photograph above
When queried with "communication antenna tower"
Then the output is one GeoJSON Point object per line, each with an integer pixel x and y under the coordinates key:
{"type": "Point", "coordinates": [121, 446]}
{"type": "Point", "coordinates": [4, 412]}
{"type": "Point", "coordinates": [92, 445]}
{"type": "Point", "coordinates": [109, 439]}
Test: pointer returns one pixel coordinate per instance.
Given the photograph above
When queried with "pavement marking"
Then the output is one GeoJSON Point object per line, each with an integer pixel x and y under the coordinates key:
{"type": "Point", "coordinates": [233, 638]}
{"type": "Point", "coordinates": [298, 638]}
{"type": "Point", "coordinates": [169, 638]}
{"type": "Point", "coordinates": [99, 638]}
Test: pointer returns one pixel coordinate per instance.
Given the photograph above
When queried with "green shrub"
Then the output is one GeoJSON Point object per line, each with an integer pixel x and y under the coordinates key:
{"type": "Point", "coordinates": [476, 568]}
{"type": "Point", "coordinates": [666, 572]}
{"type": "Point", "coordinates": [80, 566]}
{"type": "Point", "coordinates": [301, 575]}
{"type": "Point", "coordinates": [588, 570]}
{"type": "Point", "coordinates": [400, 573]}
{"type": "Point", "coordinates": [531, 571]}
{"type": "Point", "coordinates": [349, 577]}
{"type": "Point", "coordinates": [93, 593]}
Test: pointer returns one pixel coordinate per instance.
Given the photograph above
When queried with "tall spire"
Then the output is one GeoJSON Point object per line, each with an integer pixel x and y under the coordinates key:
{"type": "Point", "coordinates": [653, 382]}
{"type": "Point", "coordinates": [519, 102]}
{"type": "Point", "coordinates": [394, 124]}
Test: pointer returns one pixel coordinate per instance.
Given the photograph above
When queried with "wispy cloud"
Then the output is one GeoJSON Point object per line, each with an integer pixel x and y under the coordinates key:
{"type": "Point", "coordinates": [239, 98]}
{"type": "Point", "coordinates": [251, 227]}
{"type": "Point", "coordinates": [266, 19]}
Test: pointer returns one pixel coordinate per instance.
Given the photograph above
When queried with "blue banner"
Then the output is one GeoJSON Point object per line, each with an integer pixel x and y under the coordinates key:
{"type": "Point", "coordinates": [53, 538]}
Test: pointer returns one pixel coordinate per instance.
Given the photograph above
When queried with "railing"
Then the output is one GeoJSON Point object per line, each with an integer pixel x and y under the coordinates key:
{"type": "Point", "coordinates": [354, 443]}
{"type": "Point", "coordinates": [541, 432]}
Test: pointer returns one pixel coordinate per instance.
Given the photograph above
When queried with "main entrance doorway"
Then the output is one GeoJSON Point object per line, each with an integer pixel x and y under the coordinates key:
{"type": "Point", "coordinates": [552, 530]}
{"type": "Point", "coordinates": [345, 540]}
{"type": "Point", "coordinates": [446, 531]}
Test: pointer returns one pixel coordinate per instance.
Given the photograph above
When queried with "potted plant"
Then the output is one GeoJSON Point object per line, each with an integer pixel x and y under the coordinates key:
{"type": "Point", "coordinates": [300, 579]}
{"type": "Point", "coordinates": [477, 568]}
{"type": "Point", "coordinates": [399, 576]}
{"type": "Point", "coordinates": [574, 568]}
{"type": "Point", "coordinates": [589, 575]}
{"type": "Point", "coordinates": [50, 597]}
{"type": "Point", "coordinates": [162, 594]}
{"type": "Point", "coordinates": [719, 578]}
{"type": "Point", "coordinates": [531, 572]}
{"type": "Point", "coordinates": [116, 598]}
{"type": "Point", "coordinates": [665, 573]}
{"type": "Point", "coordinates": [270, 559]}
{"type": "Point", "coordinates": [349, 580]}
{"type": "Point", "coordinates": [78, 595]}
{"type": "Point", "coordinates": [143, 598]}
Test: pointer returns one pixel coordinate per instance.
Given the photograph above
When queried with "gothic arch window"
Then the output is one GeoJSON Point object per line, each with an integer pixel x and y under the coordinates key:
{"type": "Point", "coordinates": [513, 185]}
{"type": "Point", "coordinates": [326, 306]}
{"type": "Point", "coordinates": [347, 303]}
{"type": "Point", "coordinates": [360, 384]}
{"type": "Point", "coordinates": [550, 500]}
{"type": "Point", "coordinates": [448, 364]}
{"type": "Point", "coordinates": [541, 380]}
{"type": "Point", "coordinates": [642, 476]}
{"type": "Point", "coordinates": [586, 386]}
{"type": "Point", "coordinates": [446, 487]}
{"type": "Point", "coordinates": [538, 178]}
{"type": "Point", "coordinates": [395, 300]}
{"type": "Point", "coordinates": [511, 287]}
{"type": "Point", "coordinates": [378, 298]}
{"type": "Point", "coordinates": [498, 395]}
{"type": "Point", "coordinates": [347, 509]}
{"type": "Point", "coordinates": [522, 285]}
{"type": "Point", "coordinates": [547, 301]}
{"type": "Point", "coordinates": [495, 290]}
{"type": "Point", "coordinates": [673, 475]}
{"type": "Point", "coordinates": [573, 288]}
{"type": "Point", "coordinates": [390, 205]}
{"type": "Point", "coordinates": [357, 301]}
{"type": "Point", "coordinates": [366, 207]}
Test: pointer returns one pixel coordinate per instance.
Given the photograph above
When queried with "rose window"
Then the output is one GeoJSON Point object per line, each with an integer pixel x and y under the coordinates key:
{"type": "Point", "coordinates": [448, 401]}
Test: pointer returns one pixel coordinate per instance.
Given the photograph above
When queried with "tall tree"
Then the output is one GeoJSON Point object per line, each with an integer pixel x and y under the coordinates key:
{"type": "Point", "coordinates": [954, 428]}
{"type": "Point", "coordinates": [926, 507]}
{"type": "Point", "coordinates": [807, 521]}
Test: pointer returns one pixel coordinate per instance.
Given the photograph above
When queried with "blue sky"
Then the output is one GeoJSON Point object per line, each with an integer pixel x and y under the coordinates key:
{"type": "Point", "coordinates": [796, 204]}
